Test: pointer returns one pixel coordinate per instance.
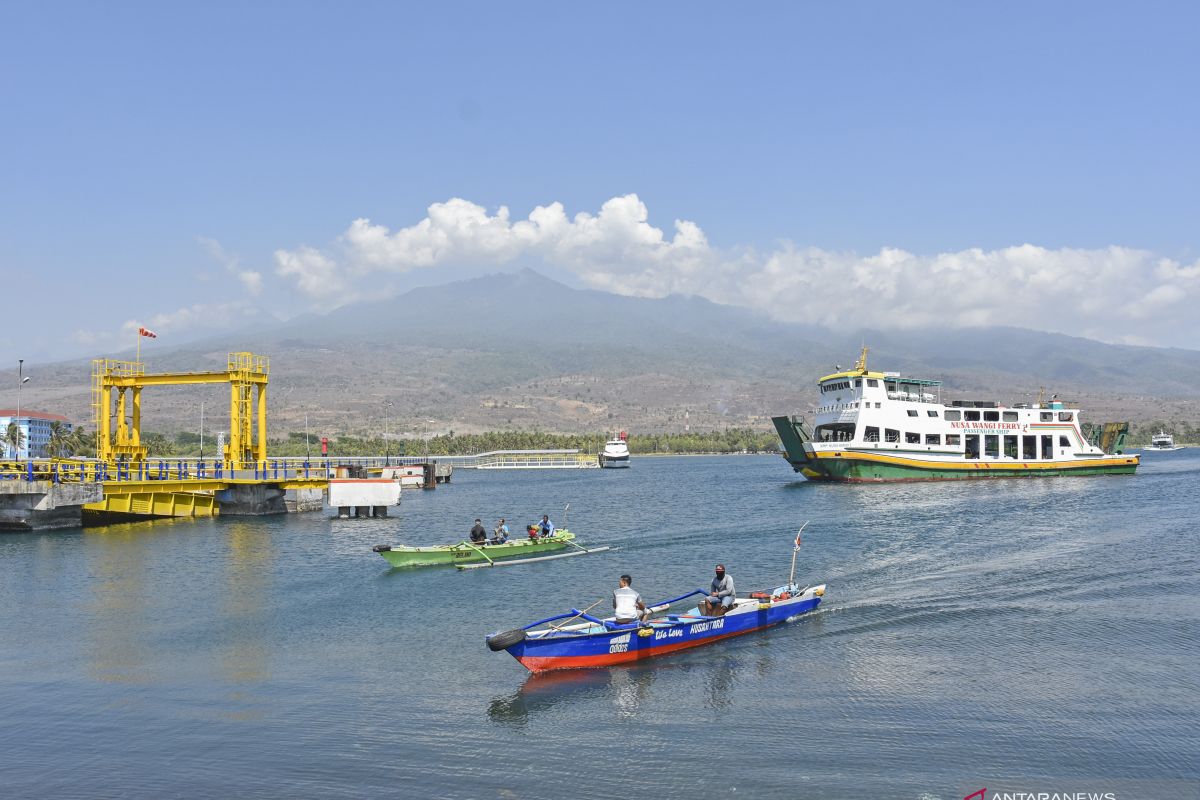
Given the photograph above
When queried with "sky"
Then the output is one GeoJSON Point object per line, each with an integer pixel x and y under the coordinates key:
{"type": "Point", "coordinates": [210, 166]}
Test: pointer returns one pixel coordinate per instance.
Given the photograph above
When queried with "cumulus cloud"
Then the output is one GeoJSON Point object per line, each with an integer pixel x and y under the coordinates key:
{"type": "Point", "coordinates": [251, 280]}
{"type": "Point", "coordinates": [1111, 293]}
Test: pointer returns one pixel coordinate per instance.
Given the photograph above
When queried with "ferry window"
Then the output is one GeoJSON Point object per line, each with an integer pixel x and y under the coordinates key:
{"type": "Point", "coordinates": [912, 438]}
{"type": "Point", "coordinates": [931, 413]}
{"type": "Point", "coordinates": [953, 439]}
{"type": "Point", "coordinates": [858, 381]}
{"type": "Point", "coordinates": [872, 383]}
{"type": "Point", "coordinates": [1010, 446]}
{"type": "Point", "coordinates": [1010, 416]}
{"type": "Point", "coordinates": [972, 448]}
{"type": "Point", "coordinates": [1028, 447]}
{"type": "Point", "coordinates": [1047, 447]}
{"type": "Point", "coordinates": [991, 416]}
{"type": "Point", "coordinates": [1063, 441]}
{"type": "Point", "coordinates": [991, 446]}
{"type": "Point", "coordinates": [972, 416]}
{"type": "Point", "coordinates": [933, 438]}
{"type": "Point", "coordinates": [953, 416]}
{"type": "Point", "coordinates": [871, 435]}
{"type": "Point", "coordinates": [1046, 416]}
{"type": "Point", "coordinates": [891, 435]}
{"type": "Point", "coordinates": [836, 432]}
{"type": "Point", "coordinates": [1065, 416]}
{"type": "Point", "coordinates": [912, 412]}
{"type": "Point", "coordinates": [879, 405]}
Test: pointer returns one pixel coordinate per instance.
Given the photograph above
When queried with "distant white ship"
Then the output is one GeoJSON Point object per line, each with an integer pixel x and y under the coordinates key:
{"type": "Point", "coordinates": [1163, 441]}
{"type": "Point", "coordinates": [615, 454]}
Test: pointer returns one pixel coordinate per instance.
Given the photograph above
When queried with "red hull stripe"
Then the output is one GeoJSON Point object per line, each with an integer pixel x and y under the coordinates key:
{"type": "Point", "coordinates": [541, 664]}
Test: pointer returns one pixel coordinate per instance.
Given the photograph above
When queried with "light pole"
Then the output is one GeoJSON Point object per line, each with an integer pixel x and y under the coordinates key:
{"type": "Point", "coordinates": [21, 381]}
{"type": "Point", "coordinates": [307, 454]}
{"type": "Point", "coordinates": [387, 444]}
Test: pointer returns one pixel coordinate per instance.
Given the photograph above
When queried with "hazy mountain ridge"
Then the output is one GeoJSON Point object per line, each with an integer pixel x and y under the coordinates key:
{"type": "Point", "coordinates": [522, 351]}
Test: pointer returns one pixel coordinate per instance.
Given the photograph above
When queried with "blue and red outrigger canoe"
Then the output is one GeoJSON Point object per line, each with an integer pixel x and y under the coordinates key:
{"type": "Point", "coordinates": [582, 640]}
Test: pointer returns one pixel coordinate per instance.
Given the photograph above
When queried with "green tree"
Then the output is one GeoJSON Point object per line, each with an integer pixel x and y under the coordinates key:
{"type": "Point", "coordinates": [61, 440]}
{"type": "Point", "coordinates": [83, 443]}
{"type": "Point", "coordinates": [14, 439]}
{"type": "Point", "coordinates": [157, 445]}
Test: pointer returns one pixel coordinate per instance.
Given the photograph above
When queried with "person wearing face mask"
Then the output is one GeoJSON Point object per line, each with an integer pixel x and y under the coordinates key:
{"type": "Point", "coordinates": [720, 594]}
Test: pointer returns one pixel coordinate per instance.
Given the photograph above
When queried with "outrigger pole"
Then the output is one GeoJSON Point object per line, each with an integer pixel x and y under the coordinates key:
{"type": "Point", "coordinates": [506, 563]}
{"type": "Point", "coordinates": [796, 549]}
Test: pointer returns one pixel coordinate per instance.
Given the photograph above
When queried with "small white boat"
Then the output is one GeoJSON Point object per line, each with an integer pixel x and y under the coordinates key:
{"type": "Point", "coordinates": [1163, 442]}
{"type": "Point", "coordinates": [615, 454]}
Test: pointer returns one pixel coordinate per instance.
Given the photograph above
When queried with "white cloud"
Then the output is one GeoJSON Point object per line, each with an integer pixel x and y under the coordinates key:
{"type": "Point", "coordinates": [251, 280]}
{"type": "Point", "coordinates": [1111, 293]}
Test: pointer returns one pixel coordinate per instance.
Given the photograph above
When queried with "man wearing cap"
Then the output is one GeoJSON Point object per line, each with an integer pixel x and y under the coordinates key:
{"type": "Point", "coordinates": [720, 594]}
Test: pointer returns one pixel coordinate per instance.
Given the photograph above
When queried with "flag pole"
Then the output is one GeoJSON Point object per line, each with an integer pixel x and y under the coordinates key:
{"type": "Point", "coordinates": [795, 550]}
{"type": "Point", "coordinates": [139, 346]}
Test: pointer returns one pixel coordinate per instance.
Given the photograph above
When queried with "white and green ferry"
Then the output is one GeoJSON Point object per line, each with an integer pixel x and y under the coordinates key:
{"type": "Point", "coordinates": [881, 426]}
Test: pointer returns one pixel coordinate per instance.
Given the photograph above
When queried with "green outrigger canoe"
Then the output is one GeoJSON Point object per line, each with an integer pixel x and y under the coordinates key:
{"type": "Point", "coordinates": [466, 554]}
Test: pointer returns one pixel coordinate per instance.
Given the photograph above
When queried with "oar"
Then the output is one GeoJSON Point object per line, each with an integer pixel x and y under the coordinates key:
{"type": "Point", "coordinates": [512, 562]}
{"type": "Point", "coordinates": [477, 550]}
{"type": "Point", "coordinates": [577, 616]}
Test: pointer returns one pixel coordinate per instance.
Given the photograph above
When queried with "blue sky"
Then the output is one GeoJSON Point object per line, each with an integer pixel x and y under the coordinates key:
{"type": "Point", "coordinates": [155, 158]}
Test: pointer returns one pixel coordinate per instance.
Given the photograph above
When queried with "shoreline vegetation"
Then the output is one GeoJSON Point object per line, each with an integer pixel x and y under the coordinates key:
{"type": "Point", "coordinates": [732, 440]}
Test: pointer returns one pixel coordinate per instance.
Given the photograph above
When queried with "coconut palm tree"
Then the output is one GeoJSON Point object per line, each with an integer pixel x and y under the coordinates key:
{"type": "Point", "coordinates": [59, 444]}
{"type": "Point", "coordinates": [14, 439]}
{"type": "Point", "coordinates": [82, 442]}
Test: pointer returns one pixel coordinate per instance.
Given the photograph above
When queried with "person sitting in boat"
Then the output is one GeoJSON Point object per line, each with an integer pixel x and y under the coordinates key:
{"type": "Point", "coordinates": [720, 594]}
{"type": "Point", "coordinates": [546, 526]}
{"type": "Point", "coordinates": [533, 531]}
{"type": "Point", "coordinates": [627, 603]}
{"type": "Point", "coordinates": [500, 534]}
{"type": "Point", "coordinates": [478, 533]}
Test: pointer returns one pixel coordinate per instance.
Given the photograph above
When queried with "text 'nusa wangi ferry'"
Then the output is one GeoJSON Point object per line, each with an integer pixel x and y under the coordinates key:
{"type": "Point", "coordinates": [879, 426]}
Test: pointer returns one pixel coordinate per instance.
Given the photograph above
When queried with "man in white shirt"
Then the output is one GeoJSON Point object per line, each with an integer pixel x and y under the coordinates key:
{"type": "Point", "coordinates": [627, 603]}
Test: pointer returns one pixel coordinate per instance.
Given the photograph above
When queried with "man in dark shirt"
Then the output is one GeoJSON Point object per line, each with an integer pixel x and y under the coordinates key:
{"type": "Point", "coordinates": [721, 594]}
{"type": "Point", "coordinates": [478, 533]}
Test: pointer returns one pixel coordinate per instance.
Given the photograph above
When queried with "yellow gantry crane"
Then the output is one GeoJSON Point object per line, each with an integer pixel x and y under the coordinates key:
{"type": "Point", "coordinates": [119, 428]}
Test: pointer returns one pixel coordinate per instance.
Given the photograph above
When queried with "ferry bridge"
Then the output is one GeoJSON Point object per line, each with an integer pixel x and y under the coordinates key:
{"type": "Point", "coordinates": [124, 482]}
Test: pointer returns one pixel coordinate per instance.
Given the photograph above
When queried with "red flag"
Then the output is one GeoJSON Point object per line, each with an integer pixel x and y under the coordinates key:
{"type": "Point", "coordinates": [147, 333]}
{"type": "Point", "coordinates": [797, 547]}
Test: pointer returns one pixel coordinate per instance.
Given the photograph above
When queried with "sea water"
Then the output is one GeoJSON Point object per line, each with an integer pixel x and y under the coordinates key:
{"type": "Point", "coordinates": [1037, 634]}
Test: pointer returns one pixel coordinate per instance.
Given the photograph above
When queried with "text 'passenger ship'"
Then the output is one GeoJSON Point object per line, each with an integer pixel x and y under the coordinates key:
{"type": "Point", "coordinates": [879, 426]}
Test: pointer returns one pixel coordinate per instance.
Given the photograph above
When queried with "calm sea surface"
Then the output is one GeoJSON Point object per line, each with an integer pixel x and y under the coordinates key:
{"type": "Point", "coordinates": [1041, 634]}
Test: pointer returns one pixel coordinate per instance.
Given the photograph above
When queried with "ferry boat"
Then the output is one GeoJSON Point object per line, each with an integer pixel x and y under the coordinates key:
{"type": "Point", "coordinates": [615, 454]}
{"type": "Point", "coordinates": [881, 426]}
{"type": "Point", "coordinates": [1163, 441]}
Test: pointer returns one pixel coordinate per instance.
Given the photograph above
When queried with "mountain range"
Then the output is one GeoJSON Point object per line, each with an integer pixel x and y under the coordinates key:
{"type": "Point", "coordinates": [521, 351]}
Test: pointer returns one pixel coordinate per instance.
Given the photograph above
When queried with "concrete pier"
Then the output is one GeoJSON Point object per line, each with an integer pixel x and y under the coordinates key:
{"type": "Point", "coordinates": [251, 500]}
{"type": "Point", "coordinates": [45, 505]}
{"type": "Point", "coordinates": [363, 497]}
{"type": "Point", "coordinates": [302, 500]}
